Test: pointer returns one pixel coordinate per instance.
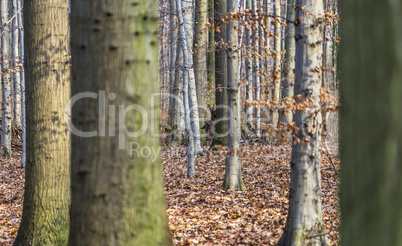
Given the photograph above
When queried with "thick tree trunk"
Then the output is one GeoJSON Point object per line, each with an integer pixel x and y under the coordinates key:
{"type": "Point", "coordinates": [6, 105]}
{"type": "Point", "coordinates": [117, 182]}
{"type": "Point", "coordinates": [221, 122]}
{"type": "Point", "coordinates": [200, 55]}
{"type": "Point", "coordinates": [16, 74]}
{"type": "Point", "coordinates": [233, 178]}
{"type": "Point", "coordinates": [304, 221]}
{"type": "Point", "coordinates": [278, 62]}
{"type": "Point", "coordinates": [249, 74]}
{"type": "Point", "coordinates": [45, 217]}
{"type": "Point", "coordinates": [371, 132]}
{"type": "Point", "coordinates": [289, 67]}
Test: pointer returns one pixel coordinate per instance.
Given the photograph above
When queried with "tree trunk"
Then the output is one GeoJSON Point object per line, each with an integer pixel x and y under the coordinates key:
{"type": "Point", "coordinates": [6, 105]}
{"type": "Point", "coordinates": [176, 97]}
{"type": "Point", "coordinates": [45, 217]}
{"type": "Point", "coordinates": [304, 221]}
{"type": "Point", "coordinates": [249, 73]}
{"type": "Point", "coordinates": [16, 73]}
{"type": "Point", "coordinates": [257, 77]}
{"type": "Point", "coordinates": [221, 122]}
{"type": "Point", "coordinates": [233, 178]}
{"type": "Point", "coordinates": [200, 55]}
{"type": "Point", "coordinates": [371, 133]}
{"type": "Point", "coordinates": [211, 52]}
{"type": "Point", "coordinates": [22, 84]}
{"type": "Point", "coordinates": [289, 67]}
{"type": "Point", "coordinates": [278, 56]}
{"type": "Point", "coordinates": [117, 182]}
{"type": "Point", "coordinates": [324, 50]}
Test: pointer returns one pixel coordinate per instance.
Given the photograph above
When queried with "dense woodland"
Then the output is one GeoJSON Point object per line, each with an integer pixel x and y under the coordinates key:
{"type": "Point", "coordinates": [205, 122]}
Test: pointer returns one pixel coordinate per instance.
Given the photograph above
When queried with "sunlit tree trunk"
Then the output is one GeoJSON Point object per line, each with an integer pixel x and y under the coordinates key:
{"type": "Point", "coordinates": [304, 224]}
{"type": "Point", "coordinates": [324, 50]}
{"type": "Point", "coordinates": [278, 56]}
{"type": "Point", "coordinates": [289, 66]}
{"type": "Point", "coordinates": [16, 73]}
{"type": "Point", "coordinates": [371, 132]}
{"type": "Point", "coordinates": [233, 178]}
{"type": "Point", "coordinates": [6, 105]}
{"type": "Point", "coordinates": [117, 192]}
{"type": "Point", "coordinates": [221, 122]}
{"type": "Point", "coordinates": [45, 216]}
{"type": "Point", "coordinates": [22, 84]}
{"type": "Point", "coordinates": [200, 55]}
{"type": "Point", "coordinates": [249, 73]}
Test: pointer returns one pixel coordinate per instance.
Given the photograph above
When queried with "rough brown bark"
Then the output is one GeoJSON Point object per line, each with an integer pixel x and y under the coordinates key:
{"type": "Point", "coordinates": [45, 217]}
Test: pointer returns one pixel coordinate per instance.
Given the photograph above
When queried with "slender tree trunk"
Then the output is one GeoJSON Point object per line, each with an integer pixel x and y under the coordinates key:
{"type": "Point", "coordinates": [6, 105]}
{"type": "Point", "coordinates": [16, 74]}
{"type": "Point", "coordinates": [188, 74]}
{"type": "Point", "coordinates": [249, 73]}
{"type": "Point", "coordinates": [289, 67]}
{"type": "Point", "coordinates": [117, 192]}
{"type": "Point", "coordinates": [22, 84]}
{"type": "Point", "coordinates": [257, 77]}
{"type": "Point", "coordinates": [233, 178]}
{"type": "Point", "coordinates": [221, 122]}
{"type": "Point", "coordinates": [278, 62]}
{"type": "Point", "coordinates": [324, 50]}
{"type": "Point", "coordinates": [371, 133]}
{"type": "Point", "coordinates": [176, 97]}
{"type": "Point", "coordinates": [211, 51]}
{"type": "Point", "coordinates": [186, 34]}
{"type": "Point", "coordinates": [304, 221]}
{"type": "Point", "coordinates": [45, 217]}
{"type": "Point", "coordinates": [200, 55]}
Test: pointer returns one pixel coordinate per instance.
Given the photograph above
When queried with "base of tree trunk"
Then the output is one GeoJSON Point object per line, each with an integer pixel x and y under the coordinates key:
{"type": "Point", "coordinates": [300, 237]}
{"type": "Point", "coordinates": [5, 152]}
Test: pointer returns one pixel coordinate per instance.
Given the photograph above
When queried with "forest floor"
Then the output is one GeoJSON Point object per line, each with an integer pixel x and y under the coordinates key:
{"type": "Point", "coordinates": [199, 212]}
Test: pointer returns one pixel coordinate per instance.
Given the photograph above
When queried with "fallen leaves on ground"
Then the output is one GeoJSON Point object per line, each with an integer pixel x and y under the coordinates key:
{"type": "Point", "coordinates": [199, 212]}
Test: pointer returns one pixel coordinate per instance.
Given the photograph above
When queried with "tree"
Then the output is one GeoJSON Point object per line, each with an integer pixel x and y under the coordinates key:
{"type": "Point", "coordinates": [117, 192]}
{"type": "Point", "coordinates": [220, 123]}
{"type": "Point", "coordinates": [233, 178]}
{"type": "Point", "coordinates": [200, 54]}
{"type": "Point", "coordinates": [45, 216]}
{"type": "Point", "coordinates": [371, 133]}
{"type": "Point", "coordinates": [256, 67]}
{"type": "Point", "coordinates": [6, 105]}
{"type": "Point", "coordinates": [289, 66]}
{"type": "Point", "coordinates": [304, 221]}
{"type": "Point", "coordinates": [278, 61]}
{"type": "Point", "coordinates": [22, 84]}
{"type": "Point", "coordinates": [249, 73]}
{"type": "Point", "coordinates": [15, 60]}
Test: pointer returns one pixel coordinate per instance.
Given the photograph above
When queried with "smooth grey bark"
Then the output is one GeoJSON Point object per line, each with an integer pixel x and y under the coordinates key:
{"type": "Point", "coordinates": [221, 122]}
{"type": "Point", "coordinates": [188, 74]}
{"type": "Point", "coordinates": [6, 105]}
{"type": "Point", "coordinates": [233, 178]}
{"type": "Point", "coordinates": [176, 80]}
{"type": "Point", "coordinates": [186, 21]}
{"type": "Point", "coordinates": [325, 83]}
{"type": "Point", "coordinates": [22, 84]}
{"type": "Point", "coordinates": [249, 72]}
{"type": "Point", "coordinates": [371, 132]}
{"type": "Point", "coordinates": [289, 66]}
{"type": "Point", "coordinates": [304, 221]}
{"type": "Point", "coordinates": [16, 72]}
{"type": "Point", "coordinates": [256, 67]}
{"type": "Point", "coordinates": [117, 194]}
